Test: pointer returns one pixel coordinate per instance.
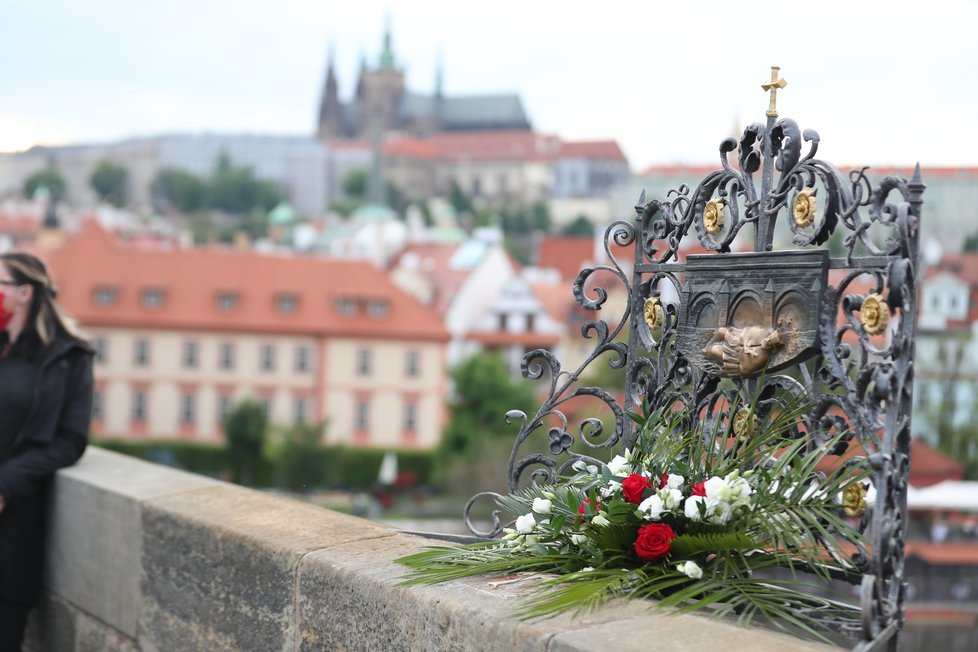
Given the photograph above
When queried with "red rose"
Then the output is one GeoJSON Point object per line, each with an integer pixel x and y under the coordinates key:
{"type": "Point", "coordinates": [654, 541]}
{"type": "Point", "coordinates": [633, 486]}
{"type": "Point", "coordinates": [663, 480]}
{"type": "Point", "coordinates": [699, 489]}
{"type": "Point", "coordinates": [581, 508]}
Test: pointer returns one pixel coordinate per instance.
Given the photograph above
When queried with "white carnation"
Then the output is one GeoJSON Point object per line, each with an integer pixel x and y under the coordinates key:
{"type": "Point", "coordinates": [652, 507]}
{"type": "Point", "coordinates": [675, 481]}
{"type": "Point", "coordinates": [620, 466]}
{"type": "Point", "coordinates": [692, 509]}
{"type": "Point", "coordinates": [691, 570]}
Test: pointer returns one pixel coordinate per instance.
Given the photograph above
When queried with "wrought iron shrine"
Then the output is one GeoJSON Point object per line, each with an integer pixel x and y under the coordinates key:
{"type": "Point", "coordinates": [707, 331]}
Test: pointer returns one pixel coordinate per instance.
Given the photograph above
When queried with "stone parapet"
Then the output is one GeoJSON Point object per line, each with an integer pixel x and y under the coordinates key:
{"type": "Point", "coordinates": [149, 559]}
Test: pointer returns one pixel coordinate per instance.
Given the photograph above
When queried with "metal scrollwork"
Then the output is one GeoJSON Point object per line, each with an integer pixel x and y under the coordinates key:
{"type": "Point", "coordinates": [706, 333]}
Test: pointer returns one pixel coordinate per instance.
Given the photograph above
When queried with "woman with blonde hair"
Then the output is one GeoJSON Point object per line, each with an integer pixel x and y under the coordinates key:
{"type": "Point", "coordinates": [45, 410]}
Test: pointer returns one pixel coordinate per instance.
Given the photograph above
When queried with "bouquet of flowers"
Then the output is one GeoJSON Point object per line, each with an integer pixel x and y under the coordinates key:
{"type": "Point", "coordinates": [694, 518]}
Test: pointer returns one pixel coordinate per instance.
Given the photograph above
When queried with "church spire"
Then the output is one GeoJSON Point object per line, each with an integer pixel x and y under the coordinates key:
{"type": "Point", "coordinates": [330, 112]}
{"type": "Point", "coordinates": [387, 54]}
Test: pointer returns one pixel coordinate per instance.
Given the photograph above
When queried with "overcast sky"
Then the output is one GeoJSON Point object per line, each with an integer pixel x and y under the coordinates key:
{"type": "Point", "coordinates": [880, 81]}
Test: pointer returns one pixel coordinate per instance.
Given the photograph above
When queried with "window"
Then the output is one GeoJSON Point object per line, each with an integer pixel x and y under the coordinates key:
{"type": "Point", "coordinates": [286, 304]}
{"type": "Point", "coordinates": [412, 364]}
{"type": "Point", "coordinates": [139, 407]}
{"type": "Point", "coordinates": [935, 301]}
{"type": "Point", "coordinates": [363, 362]}
{"type": "Point", "coordinates": [106, 295]}
{"type": "Point", "coordinates": [152, 298]}
{"type": "Point", "coordinates": [225, 356]}
{"type": "Point", "coordinates": [190, 354]}
{"type": "Point", "coordinates": [226, 301]}
{"type": "Point", "coordinates": [267, 359]}
{"type": "Point", "coordinates": [361, 415]}
{"type": "Point", "coordinates": [410, 417]}
{"type": "Point", "coordinates": [301, 359]}
{"type": "Point", "coordinates": [530, 319]}
{"type": "Point", "coordinates": [300, 411]}
{"type": "Point", "coordinates": [140, 353]}
{"type": "Point", "coordinates": [502, 321]}
{"type": "Point", "coordinates": [101, 346]}
{"type": "Point", "coordinates": [97, 407]}
{"type": "Point", "coordinates": [188, 408]}
{"type": "Point", "coordinates": [223, 407]}
{"type": "Point", "coordinates": [954, 302]}
{"type": "Point", "coordinates": [378, 308]}
{"type": "Point", "coordinates": [346, 306]}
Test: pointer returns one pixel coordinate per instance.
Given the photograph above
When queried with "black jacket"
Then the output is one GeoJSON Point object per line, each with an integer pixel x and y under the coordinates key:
{"type": "Point", "coordinates": [54, 435]}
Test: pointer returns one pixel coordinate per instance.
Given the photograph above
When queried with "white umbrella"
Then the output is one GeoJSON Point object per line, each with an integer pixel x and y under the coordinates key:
{"type": "Point", "coordinates": [388, 469]}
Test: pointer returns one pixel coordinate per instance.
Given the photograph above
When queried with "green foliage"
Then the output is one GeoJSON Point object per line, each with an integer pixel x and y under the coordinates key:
{"type": "Point", "coordinates": [581, 227]}
{"type": "Point", "coordinates": [236, 190]}
{"type": "Point", "coordinates": [355, 185]}
{"type": "Point", "coordinates": [484, 392]}
{"type": "Point", "coordinates": [245, 428]}
{"type": "Point", "coordinates": [206, 459]}
{"type": "Point", "coordinates": [970, 243]}
{"type": "Point", "coordinates": [48, 178]}
{"type": "Point", "coordinates": [172, 188]}
{"type": "Point", "coordinates": [302, 462]}
{"type": "Point", "coordinates": [459, 200]}
{"type": "Point", "coordinates": [110, 181]}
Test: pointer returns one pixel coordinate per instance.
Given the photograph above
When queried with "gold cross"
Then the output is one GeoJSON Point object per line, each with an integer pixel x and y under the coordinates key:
{"type": "Point", "coordinates": [773, 87]}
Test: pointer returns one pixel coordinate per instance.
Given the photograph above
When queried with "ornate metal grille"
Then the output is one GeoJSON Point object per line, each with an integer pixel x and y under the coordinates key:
{"type": "Point", "coordinates": [706, 329]}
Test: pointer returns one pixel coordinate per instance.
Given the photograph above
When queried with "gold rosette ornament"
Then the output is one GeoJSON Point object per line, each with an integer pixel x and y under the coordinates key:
{"type": "Point", "coordinates": [744, 423]}
{"type": "Point", "coordinates": [654, 316]}
{"type": "Point", "coordinates": [803, 208]}
{"type": "Point", "coordinates": [713, 216]}
{"type": "Point", "coordinates": [874, 314]}
{"type": "Point", "coordinates": [854, 500]}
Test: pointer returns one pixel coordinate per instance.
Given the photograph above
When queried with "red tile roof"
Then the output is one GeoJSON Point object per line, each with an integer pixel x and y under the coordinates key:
{"type": "Point", "coordinates": [433, 260]}
{"type": "Point", "coordinates": [963, 553]}
{"type": "Point", "coordinates": [495, 146]}
{"type": "Point", "coordinates": [407, 147]}
{"type": "Point", "coordinates": [592, 149]}
{"type": "Point", "coordinates": [193, 279]}
{"type": "Point", "coordinates": [927, 465]}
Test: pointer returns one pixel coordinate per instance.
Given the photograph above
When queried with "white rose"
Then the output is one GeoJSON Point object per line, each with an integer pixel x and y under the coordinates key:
{"type": "Point", "coordinates": [691, 570]}
{"type": "Point", "coordinates": [675, 481]}
{"type": "Point", "coordinates": [600, 520]}
{"type": "Point", "coordinates": [692, 508]}
{"type": "Point", "coordinates": [542, 506]}
{"type": "Point", "coordinates": [619, 466]}
{"type": "Point", "coordinates": [714, 486]}
{"type": "Point", "coordinates": [652, 507]}
{"type": "Point", "coordinates": [525, 523]}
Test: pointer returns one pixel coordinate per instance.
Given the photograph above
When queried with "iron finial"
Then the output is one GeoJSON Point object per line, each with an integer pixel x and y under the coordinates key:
{"type": "Point", "coordinates": [772, 87]}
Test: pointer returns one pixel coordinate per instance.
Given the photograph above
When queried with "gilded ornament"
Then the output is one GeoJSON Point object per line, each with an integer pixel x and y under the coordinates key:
{"type": "Point", "coordinates": [653, 313]}
{"type": "Point", "coordinates": [804, 207]}
{"type": "Point", "coordinates": [744, 423]}
{"type": "Point", "coordinates": [713, 216]}
{"type": "Point", "coordinates": [854, 500]}
{"type": "Point", "coordinates": [874, 314]}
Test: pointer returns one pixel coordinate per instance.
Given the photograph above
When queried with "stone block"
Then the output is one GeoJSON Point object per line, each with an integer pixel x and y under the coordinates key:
{"type": "Point", "coordinates": [100, 566]}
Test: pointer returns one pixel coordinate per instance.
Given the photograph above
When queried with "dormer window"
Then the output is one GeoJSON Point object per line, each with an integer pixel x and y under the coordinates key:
{"type": "Point", "coordinates": [286, 304]}
{"type": "Point", "coordinates": [378, 308]}
{"type": "Point", "coordinates": [106, 295]}
{"type": "Point", "coordinates": [152, 298]}
{"type": "Point", "coordinates": [226, 301]}
{"type": "Point", "coordinates": [346, 306]}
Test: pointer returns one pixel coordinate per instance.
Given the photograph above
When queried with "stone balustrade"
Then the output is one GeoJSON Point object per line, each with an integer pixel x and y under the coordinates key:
{"type": "Point", "coordinates": [146, 558]}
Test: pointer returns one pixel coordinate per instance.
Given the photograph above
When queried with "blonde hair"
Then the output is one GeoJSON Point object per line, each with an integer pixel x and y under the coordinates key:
{"type": "Point", "coordinates": [46, 318]}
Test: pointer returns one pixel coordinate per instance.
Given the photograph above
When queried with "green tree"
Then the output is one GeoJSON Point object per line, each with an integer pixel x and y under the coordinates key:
{"type": "Point", "coordinates": [354, 185]}
{"type": "Point", "coordinates": [484, 392]}
{"type": "Point", "coordinates": [970, 243]}
{"type": "Point", "coordinates": [459, 200]}
{"type": "Point", "coordinates": [110, 181]}
{"type": "Point", "coordinates": [50, 179]}
{"type": "Point", "coordinates": [581, 227]}
{"type": "Point", "coordinates": [235, 189]}
{"type": "Point", "coordinates": [540, 216]}
{"type": "Point", "coordinates": [245, 428]}
{"type": "Point", "coordinates": [303, 462]}
{"type": "Point", "coordinates": [178, 189]}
